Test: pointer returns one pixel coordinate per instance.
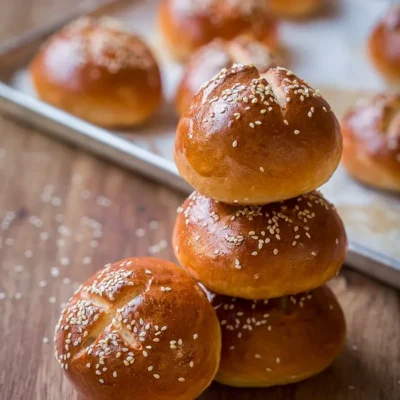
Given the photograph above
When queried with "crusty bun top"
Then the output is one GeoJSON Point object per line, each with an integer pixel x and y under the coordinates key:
{"type": "Point", "coordinates": [374, 124]}
{"type": "Point", "coordinates": [140, 326]}
{"type": "Point", "coordinates": [257, 139]}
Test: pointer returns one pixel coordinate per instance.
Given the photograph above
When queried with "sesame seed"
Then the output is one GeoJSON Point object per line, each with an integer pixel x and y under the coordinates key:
{"type": "Point", "coordinates": [251, 125]}
{"type": "Point", "coordinates": [191, 364]}
{"type": "Point", "coordinates": [275, 252]}
{"type": "Point", "coordinates": [156, 376]}
{"type": "Point", "coordinates": [234, 143]}
{"type": "Point", "coordinates": [278, 360]}
{"type": "Point", "coordinates": [195, 336]}
{"type": "Point", "coordinates": [181, 379]}
{"type": "Point", "coordinates": [262, 169]}
{"type": "Point", "coordinates": [313, 253]}
{"type": "Point", "coordinates": [115, 374]}
{"type": "Point", "coordinates": [150, 368]}
{"type": "Point", "coordinates": [101, 380]}
{"type": "Point", "coordinates": [296, 132]}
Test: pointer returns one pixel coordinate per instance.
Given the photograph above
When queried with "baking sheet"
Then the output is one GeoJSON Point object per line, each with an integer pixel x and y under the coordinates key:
{"type": "Point", "coordinates": [329, 52]}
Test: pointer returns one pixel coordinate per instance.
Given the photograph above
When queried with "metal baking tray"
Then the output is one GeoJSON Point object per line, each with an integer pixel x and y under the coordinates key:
{"type": "Point", "coordinates": [372, 218]}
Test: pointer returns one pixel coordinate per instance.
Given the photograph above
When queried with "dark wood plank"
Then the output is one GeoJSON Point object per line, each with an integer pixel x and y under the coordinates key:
{"type": "Point", "coordinates": [50, 247]}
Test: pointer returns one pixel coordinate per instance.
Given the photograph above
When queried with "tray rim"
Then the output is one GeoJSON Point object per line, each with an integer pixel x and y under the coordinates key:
{"type": "Point", "coordinates": [95, 139]}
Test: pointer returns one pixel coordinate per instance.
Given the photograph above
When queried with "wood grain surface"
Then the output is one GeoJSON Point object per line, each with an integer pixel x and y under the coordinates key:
{"type": "Point", "coordinates": [65, 213]}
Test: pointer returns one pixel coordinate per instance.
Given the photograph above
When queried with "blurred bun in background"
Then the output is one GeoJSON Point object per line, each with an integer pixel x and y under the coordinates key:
{"type": "Point", "coordinates": [294, 8]}
{"type": "Point", "coordinates": [371, 141]}
{"type": "Point", "coordinates": [216, 55]}
{"type": "Point", "coordinates": [278, 341]}
{"type": "Point", "coordinates": [97, 71]}
{"type": "Point", "coordinates": [384, 45]}
{"type": "Point", "coordinates": [189, 24]}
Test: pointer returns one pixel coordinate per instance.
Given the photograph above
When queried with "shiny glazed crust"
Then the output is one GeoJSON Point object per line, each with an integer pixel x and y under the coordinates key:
{"type": "Point", "coordinates": [139, 328]}
{"type": "Point", "coordinates": [259, 252]}
{"type": "Point", "coordinates": [278, 341]}
{"type": "Point", "coordinates": [251, 139]}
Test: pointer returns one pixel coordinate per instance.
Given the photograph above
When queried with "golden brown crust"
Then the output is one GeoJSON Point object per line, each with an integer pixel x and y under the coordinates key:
{"type": "Point", "coordinates": [259, 252]}
{"type": "Point", "coordinates": [294, 8]}
{"type": "Point", "coordinates": [255, 140]}
{"type": "Point", "coordinates": [278, 341]}
{"type": "Point", "coordinates": [95, 70]}
{"type": "Point", "coordinates": [139, 326]}
{"type": "Point", "coordinates": [189, 24]}
{"type": "Point", "coordinates": [371, 141]}
{"type": "Point", "coordinates": [216, 55]}
{"type": "Point", "coordinates": [384, 45]}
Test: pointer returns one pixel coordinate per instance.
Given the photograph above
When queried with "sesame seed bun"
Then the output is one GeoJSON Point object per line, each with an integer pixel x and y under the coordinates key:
{"type": "Point", "coordinates": [371, 141]}
{"type": "Point", "coordinates": [259, 252]}
{"type": "Point", "coordinates": [294, 8]}
{"type": "Point", "coordinates": [251, 139]}
{"type": "Point", "coordinates": [187, 25]}
{"type": "Point", "coordinates": [140, 327]}
{"type": "Point", "coordinates": [278, 341]}
{"type": "Point", "coordinates": [384, 45]}
{"type": "Point", "coordinates": [218, 54]}
{"type": "Point", "coordinates": [95, 70]}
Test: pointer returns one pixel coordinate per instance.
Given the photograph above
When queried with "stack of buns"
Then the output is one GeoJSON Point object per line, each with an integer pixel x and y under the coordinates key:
{"type": "Point", "coordinates": [256, 233]}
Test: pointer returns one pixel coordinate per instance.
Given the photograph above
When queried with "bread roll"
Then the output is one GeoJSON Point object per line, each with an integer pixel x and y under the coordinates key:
{"type": "Point", "coordinates": [278, 341]}
{"type": "Point", "coordinates": [95, 70]}
{"type": "Point", "coordinates": [251, 139]}
{"type": "Point", "coordinates": [371, 139]}
{"type": "Point", "coordinates": [139, 328]}
{"type": "Point", "coordinates": [384, 45]}
{"type": "Point", "coordinates": [294, 8]}
{"type": "Point", "coordinates": [187, 25]}
{"type": "Point", "coordinates": [211, 58]}
{"type": "Point", "coordinates": [259, 252]}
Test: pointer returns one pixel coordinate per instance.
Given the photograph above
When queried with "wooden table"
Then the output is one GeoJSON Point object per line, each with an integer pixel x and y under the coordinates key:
{"type": "Point", "coordinates": [65, 213]}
